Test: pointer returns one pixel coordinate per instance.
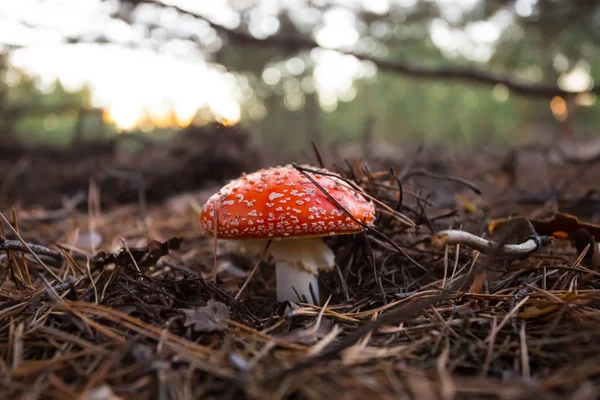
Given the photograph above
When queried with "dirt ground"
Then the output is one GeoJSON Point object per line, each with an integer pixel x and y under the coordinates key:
{"type": "Point", "coordinates": [107, 288]}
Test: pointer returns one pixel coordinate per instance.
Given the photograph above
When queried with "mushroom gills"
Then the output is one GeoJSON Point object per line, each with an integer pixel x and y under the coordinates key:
{"type": "Point", "coordinates": [297, 261]}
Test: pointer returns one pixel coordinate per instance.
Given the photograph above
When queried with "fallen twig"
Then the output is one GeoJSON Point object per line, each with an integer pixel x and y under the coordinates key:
{"type": "Point", "coordinates": [28, 247]}
{"type": "Point", "coordinates": [433, 175]}
{"type": "Point", "coordinates": [17, 245]}
{"type": "Point", "coordinates": [452, 236]}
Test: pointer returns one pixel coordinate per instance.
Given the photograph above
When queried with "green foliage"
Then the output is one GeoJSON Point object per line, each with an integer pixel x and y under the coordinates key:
{"type": "Point", "coordinates": [403, 109]}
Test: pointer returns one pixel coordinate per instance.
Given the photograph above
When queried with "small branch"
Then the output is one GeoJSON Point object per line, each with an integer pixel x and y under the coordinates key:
{"type": "Point", "coordinates": [17, 245]}
{"type": "Point", "coordinates": [447, 73]}
{"type": "Point", "coordinates": [433, 175]}
{"type": "Point", "coordinates": [403, 68]}
{"type": "Point", "coordinates": [443, 238]}
{"type": "Point", "coordinates": [28, 247]}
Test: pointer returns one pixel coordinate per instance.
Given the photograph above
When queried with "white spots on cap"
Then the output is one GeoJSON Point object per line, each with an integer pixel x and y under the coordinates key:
{"type": "Point", "coordinates": [281, 201]}
{"type": "Point", "coordinates": [274, 195]}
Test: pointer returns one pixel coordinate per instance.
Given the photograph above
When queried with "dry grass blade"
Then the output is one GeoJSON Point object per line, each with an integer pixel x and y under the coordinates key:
{"type": "Point", "coordinates": [509, 317]}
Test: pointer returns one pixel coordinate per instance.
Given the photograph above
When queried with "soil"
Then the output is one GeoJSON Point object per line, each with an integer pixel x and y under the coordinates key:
{"type": "Point", "coordinates": [108, 286]}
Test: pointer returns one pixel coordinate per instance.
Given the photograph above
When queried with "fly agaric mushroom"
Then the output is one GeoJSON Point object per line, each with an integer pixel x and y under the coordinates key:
{"type": "Point", "coordinates": [283, 205]}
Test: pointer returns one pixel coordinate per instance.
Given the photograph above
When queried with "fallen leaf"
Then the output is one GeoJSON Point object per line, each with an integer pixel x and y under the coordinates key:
{"type": "Point", "coordinates": [514, 231]}
{"type": "Point", "coordinates": [477, 287]}
{"type": "Point", "coordinates": [209, 318]}
{"type": "Point", "coordinates": [559, 225]}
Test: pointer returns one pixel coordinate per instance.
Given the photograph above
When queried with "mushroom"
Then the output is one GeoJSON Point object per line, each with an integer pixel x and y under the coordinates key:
{"type": "Point", "coordinates": [282, 205]}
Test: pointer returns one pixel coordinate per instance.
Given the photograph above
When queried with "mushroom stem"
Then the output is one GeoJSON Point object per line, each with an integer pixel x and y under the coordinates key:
{"type": "Point", "coordinates": [294, 283]}
{"type": "Point", "coordinates": [297, 264]}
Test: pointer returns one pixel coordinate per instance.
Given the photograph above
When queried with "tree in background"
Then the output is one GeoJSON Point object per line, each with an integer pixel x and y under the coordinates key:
{"type": "Point", "coordinates": [465, 72]}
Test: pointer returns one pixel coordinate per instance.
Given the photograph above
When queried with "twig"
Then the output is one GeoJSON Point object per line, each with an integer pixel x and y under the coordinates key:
{"type": "Point", "coordinates": [16, 245]}
{"type": "Point", "coordinates": [358, 189]}
{"type": "Point", "coordinates": [318, 154]}
{"type": "Point", "coordinates": [31, 250]}
{"type": "Point", "coordinates": [433, 175]}
{"type": "Point", "coordinates": [400, 189]}
{"type": "Point", "coordinates": [452, 236]}
{"type": "Point", "coordinates": [365, 226]}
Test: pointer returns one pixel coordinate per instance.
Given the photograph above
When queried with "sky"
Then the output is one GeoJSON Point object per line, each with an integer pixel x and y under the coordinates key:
{"type": "Point", "coordinates": [136, 75]}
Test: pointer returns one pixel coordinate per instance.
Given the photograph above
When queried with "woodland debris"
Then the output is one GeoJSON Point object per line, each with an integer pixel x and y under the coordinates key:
{"type": "Point", "coordinates": [452, 236]}
{"type": "Point", "coordinates": [446, 323]}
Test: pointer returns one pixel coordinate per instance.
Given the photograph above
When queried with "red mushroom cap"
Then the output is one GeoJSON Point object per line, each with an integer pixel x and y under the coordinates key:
{"type": "Point", "coordinates": [281, 202]}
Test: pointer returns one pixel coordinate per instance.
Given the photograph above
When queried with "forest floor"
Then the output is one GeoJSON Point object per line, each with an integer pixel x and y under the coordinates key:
{"type": "Point", "coordinates": [107, 287]}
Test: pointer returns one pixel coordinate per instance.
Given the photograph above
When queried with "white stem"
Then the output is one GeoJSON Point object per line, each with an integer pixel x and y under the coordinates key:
{"type": "Point", "coordinates": [290, 277]}
{"type": "Point", "coordinates": [298, 262]}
